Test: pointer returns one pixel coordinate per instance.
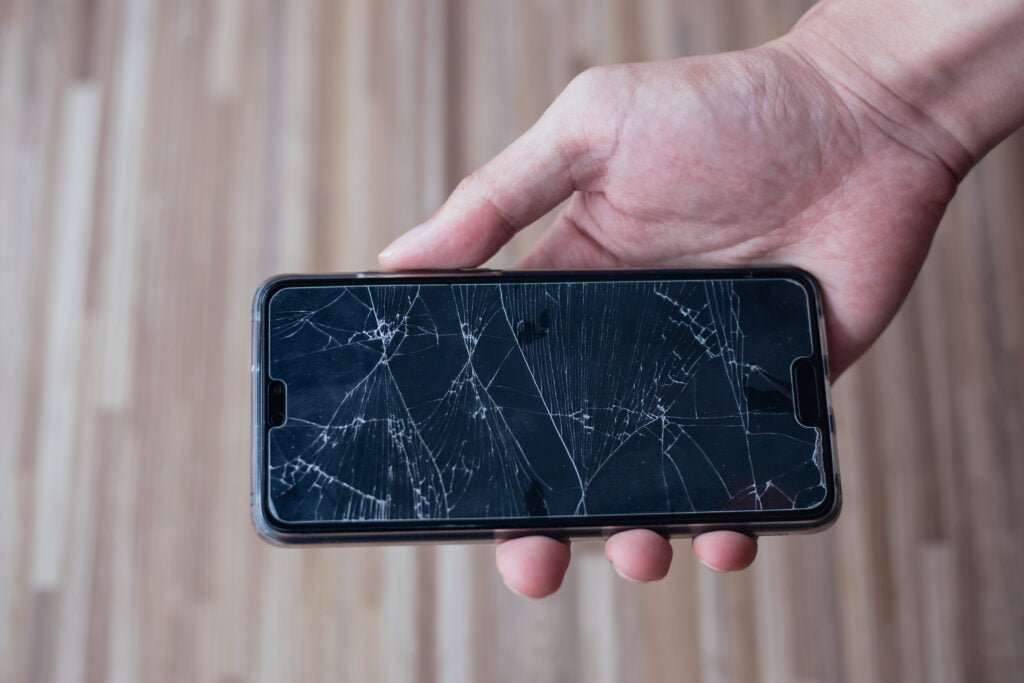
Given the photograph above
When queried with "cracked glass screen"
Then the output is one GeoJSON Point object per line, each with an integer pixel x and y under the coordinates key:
{"type": "Point", "coordinates": [552, 399]}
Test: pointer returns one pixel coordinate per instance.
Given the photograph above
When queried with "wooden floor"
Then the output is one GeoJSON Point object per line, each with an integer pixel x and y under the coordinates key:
{"type": "Point", "coordinates": [158, 159]}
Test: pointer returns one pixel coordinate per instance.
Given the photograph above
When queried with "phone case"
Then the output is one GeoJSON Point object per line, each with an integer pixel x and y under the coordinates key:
{"type": "Point", "coordinates": [485, 404]}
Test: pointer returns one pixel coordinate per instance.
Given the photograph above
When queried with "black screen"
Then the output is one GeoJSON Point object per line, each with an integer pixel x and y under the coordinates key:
{"type": "Point", "coordinates": [489, 400]}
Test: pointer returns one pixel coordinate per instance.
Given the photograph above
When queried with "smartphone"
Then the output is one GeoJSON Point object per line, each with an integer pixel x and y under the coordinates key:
{"type": "Point", "coordinates": [482, 404]}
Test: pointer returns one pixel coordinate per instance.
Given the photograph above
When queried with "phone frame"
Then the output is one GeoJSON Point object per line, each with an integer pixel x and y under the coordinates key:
{"type": "Point", "coordinates": [409, 531]}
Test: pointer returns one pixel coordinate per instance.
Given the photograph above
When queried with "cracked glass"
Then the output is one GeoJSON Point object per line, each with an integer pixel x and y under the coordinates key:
{"type": "Point", "coordinates": [500, 400]}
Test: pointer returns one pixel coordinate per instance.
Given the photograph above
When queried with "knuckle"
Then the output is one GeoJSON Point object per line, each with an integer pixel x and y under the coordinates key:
{"type": "Point", "coordinates": [590, 81]}
{"type": "Point", "coordinates": [472, 184]}
{"type": "Point", "coordinates": [593, 108]}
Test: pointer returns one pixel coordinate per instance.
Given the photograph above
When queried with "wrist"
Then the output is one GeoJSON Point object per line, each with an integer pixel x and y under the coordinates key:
{"type": "Point", "coordinates": [943, 78]}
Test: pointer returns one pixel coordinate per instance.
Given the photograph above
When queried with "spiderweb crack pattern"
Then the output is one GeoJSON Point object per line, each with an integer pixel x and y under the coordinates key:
{"type": "Point", "coordinates": [497, 400]}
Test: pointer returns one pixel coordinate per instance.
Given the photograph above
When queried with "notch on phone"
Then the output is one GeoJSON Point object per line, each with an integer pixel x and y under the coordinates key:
{"type": "Point", "coordinates": [807, 394]}
{"type": "Point", "coordinates": [277, 403]}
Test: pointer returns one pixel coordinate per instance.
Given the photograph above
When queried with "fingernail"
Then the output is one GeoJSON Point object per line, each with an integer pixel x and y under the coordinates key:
{"type": "Point", "coordinates": [708, 566]}
{"type": "Point", "coordinates": [627, 578]}
{"type": "Point", "coordinates": [408, 237]}
{"type": "Point", "coordinates": [522, 595]}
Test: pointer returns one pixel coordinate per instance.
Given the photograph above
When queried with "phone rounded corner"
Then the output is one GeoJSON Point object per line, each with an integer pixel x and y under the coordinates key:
{"type": "Point", "coordinates": [826, 513]}
{"type": "Point", "coordinates": [268, 288]}
{"type": "Point", "coordinates": [802, 277]}
{"type": "Point", "coordinates": [267, 527]}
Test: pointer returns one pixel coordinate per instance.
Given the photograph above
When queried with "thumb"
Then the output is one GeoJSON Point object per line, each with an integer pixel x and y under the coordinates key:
{"type": "Point", "coordinates": [525, 181]}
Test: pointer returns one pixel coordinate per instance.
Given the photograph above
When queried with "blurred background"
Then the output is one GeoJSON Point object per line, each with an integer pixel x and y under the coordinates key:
{"type": "Point", "coordinates": [158, 159]}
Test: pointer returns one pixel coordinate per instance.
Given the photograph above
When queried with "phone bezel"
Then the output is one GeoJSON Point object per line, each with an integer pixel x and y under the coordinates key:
{"type": "Point", "coordinates": [271, 527]}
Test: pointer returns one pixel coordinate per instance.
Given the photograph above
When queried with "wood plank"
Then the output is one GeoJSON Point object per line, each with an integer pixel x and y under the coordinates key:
{"type": "Point", "coordinates": [158, 159]}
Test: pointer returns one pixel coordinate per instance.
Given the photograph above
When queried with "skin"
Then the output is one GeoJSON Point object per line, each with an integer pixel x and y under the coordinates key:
{"type": "Point", "coordinates": [762, 157]}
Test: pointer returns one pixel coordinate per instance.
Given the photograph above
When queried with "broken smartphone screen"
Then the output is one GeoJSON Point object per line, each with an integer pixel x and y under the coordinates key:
{"type": "Point", "coordinates": [475, 404]}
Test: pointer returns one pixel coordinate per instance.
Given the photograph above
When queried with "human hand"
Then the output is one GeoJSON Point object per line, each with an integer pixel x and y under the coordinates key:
{"type": "Point", "coordinates": [749, 158]}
